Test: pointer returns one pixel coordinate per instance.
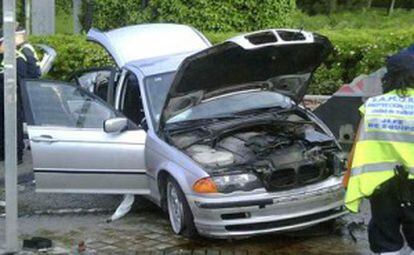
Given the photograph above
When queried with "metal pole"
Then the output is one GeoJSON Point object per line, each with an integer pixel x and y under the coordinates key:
{"type": "Point", "coordinates": [10, 120]}
{"type": "Point", "coordinates": [28, 15]}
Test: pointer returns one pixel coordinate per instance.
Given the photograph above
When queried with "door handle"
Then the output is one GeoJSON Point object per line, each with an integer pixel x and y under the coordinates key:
{"type": "Point", "coordinates": [44, 138]}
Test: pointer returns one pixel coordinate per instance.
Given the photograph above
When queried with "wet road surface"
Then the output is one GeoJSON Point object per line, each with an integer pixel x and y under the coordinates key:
{"type": "Point", "coordinates": [148, 230]}
{"type": "Point", "coordinates": [69, 219]}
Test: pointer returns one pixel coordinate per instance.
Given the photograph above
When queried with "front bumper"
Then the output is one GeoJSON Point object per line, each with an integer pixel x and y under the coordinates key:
{"type": "Point", "coordinates": [247, 214]}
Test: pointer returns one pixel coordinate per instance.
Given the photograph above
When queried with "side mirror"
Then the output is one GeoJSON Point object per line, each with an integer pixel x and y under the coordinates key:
{"type": "Point", "coordinates": [115, 125]}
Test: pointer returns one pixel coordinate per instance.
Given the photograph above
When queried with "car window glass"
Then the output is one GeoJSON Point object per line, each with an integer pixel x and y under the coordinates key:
{"type": "Point", "coordinates": [132, 107]}
{"type": "Point", "coordinates": [57, 104]}
{"type": "Point", "coordinates": [233, 104]}
{"type": "Point", "coordinates": [96, 82]}
{"type": "Point", "coordinates": [157, 88]}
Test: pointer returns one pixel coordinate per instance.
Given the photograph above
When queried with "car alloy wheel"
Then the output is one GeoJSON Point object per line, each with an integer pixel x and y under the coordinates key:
{"type": "Point", "coordinates": [175, 208]}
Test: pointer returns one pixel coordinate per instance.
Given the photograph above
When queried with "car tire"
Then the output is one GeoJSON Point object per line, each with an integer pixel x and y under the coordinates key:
{"type": "Point", "coordinates": [179, 212]}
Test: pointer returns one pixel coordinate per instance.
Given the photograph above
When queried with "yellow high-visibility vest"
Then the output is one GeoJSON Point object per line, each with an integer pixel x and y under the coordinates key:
{"type": "Point", "coordinates": [386, 139]}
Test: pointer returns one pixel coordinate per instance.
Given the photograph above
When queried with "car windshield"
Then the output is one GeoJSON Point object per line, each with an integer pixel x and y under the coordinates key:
{"type": "Point", "coordinates": [233, 103]}
{"type": "Point", "coordinates": [157, 87]}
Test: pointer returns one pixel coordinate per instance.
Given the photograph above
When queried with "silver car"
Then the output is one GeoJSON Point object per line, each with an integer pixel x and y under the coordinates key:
{"type": "Point", "coordinates": [214, 135]}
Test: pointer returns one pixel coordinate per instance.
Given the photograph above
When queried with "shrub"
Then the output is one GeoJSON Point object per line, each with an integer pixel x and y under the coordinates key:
{"type": "Point", "coordinates": [73, 53]}
{"type": "Point", "coordinates": [207, 15]}
{"type": "Point", "coordinates": [357, 19]}
{"type": "Point", "coordinates": [64, 6]}
{"type": "Point", "coordinates": [313, 7]}
{"type": "Point", "coordinates": [356, 51]}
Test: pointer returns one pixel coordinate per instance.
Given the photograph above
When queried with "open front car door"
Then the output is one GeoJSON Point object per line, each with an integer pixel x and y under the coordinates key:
{"type": "Point", "coordinates": [80, 144]}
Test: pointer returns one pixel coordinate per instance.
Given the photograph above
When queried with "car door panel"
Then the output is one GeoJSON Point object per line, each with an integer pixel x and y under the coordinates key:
{"type": "Point", "coordinates": [71, 152]}
{"type": "Point", "coordinates": [107, 151]}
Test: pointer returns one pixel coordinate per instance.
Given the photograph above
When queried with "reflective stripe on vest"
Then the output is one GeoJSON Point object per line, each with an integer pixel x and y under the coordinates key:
{"type": "Point", "coordinates": [29, 47]}
{"type": "Point", "coordinates": [386, 139]}
{"type": "Point", "coordinates": [377, 167]}
{"type": "Point", "coordinates": [18, 55]}
{"type": "Point", "coordinates": [391, 137]}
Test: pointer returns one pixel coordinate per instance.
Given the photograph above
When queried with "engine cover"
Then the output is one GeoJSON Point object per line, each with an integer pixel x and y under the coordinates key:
{"type": "Point", "coordinates": [210, 157]}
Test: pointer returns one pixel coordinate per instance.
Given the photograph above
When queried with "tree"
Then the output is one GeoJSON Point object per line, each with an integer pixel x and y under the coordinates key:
{"type": "Point", "coordinates": [86, 17]}
{"type": "Point", "coordinates": [369, 4]}
{"type": "Point", "coordinates": [391, 9]}
{"type": "Point", "coordinates": [349, 4]}
{"type": "Point", "coordinates": [144, 4]}
{"type": "Point", "coordinates": [332, 6]}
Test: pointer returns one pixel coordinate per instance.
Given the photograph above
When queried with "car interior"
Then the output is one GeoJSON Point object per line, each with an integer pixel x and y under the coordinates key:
{"type": "Point", "coordinates": [132, 106]}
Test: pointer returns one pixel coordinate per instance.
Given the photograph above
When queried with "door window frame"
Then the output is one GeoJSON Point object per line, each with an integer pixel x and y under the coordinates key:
{"type": "Point", "coordinates": [120, 87]}
{"type": "Point", "coordinates": [28, 111]}
{"type": "Point", "coordinates": [111, 84]}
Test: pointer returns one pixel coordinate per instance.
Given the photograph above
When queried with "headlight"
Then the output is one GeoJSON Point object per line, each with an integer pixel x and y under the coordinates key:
{"type": "Point", "coordinates": [227, 183]}
{"type": "Point", "coordinates": [237, 182]}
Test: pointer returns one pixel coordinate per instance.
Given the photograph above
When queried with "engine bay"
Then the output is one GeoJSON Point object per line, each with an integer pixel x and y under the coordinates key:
{"type": "Point", "coordinates": [290, 152]}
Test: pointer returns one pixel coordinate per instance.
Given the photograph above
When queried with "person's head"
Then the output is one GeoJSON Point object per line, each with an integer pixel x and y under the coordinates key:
{"type": "Point", "coordinates": [400, 72]}
{"type": "Point", "coordinates": [20, 37]}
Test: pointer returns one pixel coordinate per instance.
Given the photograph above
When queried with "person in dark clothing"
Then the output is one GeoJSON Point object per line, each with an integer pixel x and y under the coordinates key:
{"type": "Point", "coordinates": [27, 68]}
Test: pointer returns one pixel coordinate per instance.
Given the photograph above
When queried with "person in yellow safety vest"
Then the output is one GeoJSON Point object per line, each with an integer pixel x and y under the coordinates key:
{"type": "Point", "coordinates": [382, 160]}
{"type": "Point", "coordinates": [27, 68]}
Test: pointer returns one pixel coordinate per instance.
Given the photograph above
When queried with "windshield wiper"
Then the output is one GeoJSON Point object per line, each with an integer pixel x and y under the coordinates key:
{"type": "Point", "coordinates": [202, 121]}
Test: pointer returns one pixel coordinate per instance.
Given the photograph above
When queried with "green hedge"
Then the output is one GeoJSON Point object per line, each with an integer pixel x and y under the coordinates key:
{"type": "Point", "coordinates": [313, 7]}
{"type": "Point", "coordinates": [356, 52]}
{"type": "Point", "coordinates": [207, 15]}
{"type": "Point", "coordinates": [73, 53]}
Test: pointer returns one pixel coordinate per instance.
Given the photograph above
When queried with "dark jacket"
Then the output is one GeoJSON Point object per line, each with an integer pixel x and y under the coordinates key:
{"type": "Point", "coordinates": [32, 68]}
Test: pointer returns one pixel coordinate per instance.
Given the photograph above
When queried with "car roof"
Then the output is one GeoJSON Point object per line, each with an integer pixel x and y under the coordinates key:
{"type": "Point", "coordinates": [146, 41]}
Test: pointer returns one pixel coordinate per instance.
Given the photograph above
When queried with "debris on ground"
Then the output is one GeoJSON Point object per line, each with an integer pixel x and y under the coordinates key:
{"type": "Point", "coordinates": [355, 226]}
{"type": "Point", "coordinates": [82, 249]}
{"type": "Point", "coordinates": [37, 243]}
{"type": "Point", "coordinates": [123, 208]}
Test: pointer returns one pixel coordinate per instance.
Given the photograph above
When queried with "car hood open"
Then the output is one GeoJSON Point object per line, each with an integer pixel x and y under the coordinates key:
{"type": "Point", "coordinates": [276, 60]}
